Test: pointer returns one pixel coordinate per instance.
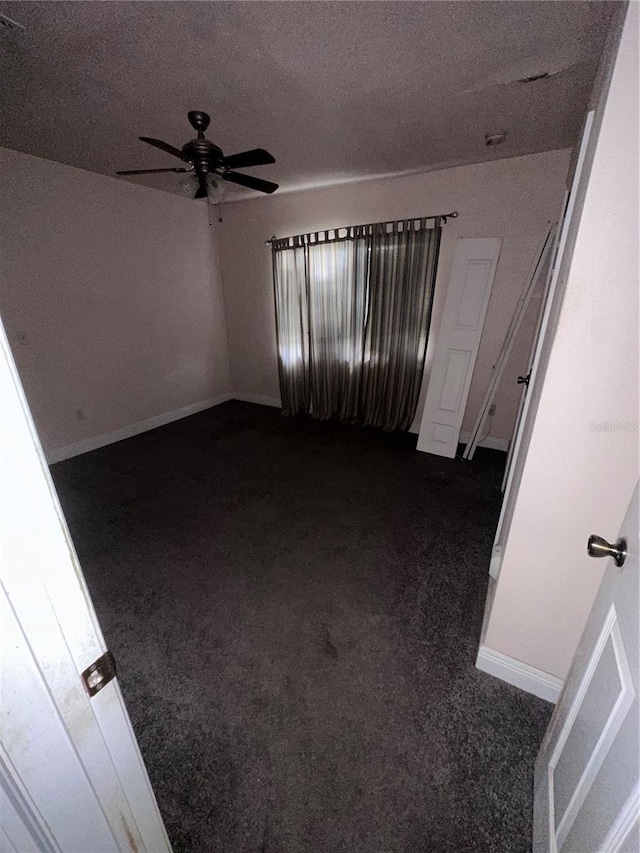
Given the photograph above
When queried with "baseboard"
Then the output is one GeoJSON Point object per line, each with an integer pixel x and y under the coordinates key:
{"type": "Point", "coordinates": [97, 441]}
{"type": "Point", "coordinates": [93, 443]}
{"type": "Point", "coordinates": [260, 399]}
{"type": "Point", "coordinates": [490, 442]}
{"type": "Point", "coordinates": [519, 674]}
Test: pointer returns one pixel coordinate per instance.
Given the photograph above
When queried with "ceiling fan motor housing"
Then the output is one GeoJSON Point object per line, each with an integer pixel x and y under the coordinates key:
{"type": "Point", "coordinates": [204, 155]}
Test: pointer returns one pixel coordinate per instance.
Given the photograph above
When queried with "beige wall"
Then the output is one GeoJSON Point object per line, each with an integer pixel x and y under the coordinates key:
{"type": "Point", "coordinates": [512, 199]}
{"type": "Point", "coordinates": [578, 479]}
{"type": "Point", "coordinates": [110, 298]}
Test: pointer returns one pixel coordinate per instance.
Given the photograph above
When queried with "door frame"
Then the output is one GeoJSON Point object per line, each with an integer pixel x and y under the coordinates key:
{"type": "Point", "coordinates": [545, 329]}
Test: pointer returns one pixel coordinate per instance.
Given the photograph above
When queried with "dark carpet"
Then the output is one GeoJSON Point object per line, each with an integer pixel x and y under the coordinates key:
{"type": "Point", "coordinates": [295, 609]}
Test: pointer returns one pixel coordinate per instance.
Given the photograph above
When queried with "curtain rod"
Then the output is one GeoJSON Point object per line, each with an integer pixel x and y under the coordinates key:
{"type": "Point", "coordinates": [443, 216]}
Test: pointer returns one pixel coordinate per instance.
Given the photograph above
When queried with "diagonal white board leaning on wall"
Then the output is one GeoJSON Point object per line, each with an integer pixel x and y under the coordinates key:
{"type": "Point", "coordinates": [468, 292]}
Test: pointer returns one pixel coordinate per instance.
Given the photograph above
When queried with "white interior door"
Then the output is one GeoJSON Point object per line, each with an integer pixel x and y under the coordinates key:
{"type": "Point", "coordinates": [71, 775]}
{"type": "Point", "coordinates": [587, 788]}
{"type": "Point", "coordinates": [468, 292]}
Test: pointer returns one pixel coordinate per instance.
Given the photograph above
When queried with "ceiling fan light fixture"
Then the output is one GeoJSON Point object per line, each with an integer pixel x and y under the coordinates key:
{"type": "Point", "coordinates": [189, 185]}
{"type": "Point", "coordinates": [216, 189]}
{"type": "Point", "coordinates": [491, 139]}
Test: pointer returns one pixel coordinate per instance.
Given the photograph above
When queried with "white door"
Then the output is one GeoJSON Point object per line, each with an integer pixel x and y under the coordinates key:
{"type": "Point", "coordinates": [468, 292]}
{"type": "Point", "coordinates": [71, 775]}
{"type": "Point", "coordinates": [587, 787]}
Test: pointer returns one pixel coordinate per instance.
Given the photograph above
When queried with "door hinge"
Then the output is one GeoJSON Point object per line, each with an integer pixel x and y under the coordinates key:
{"type": "Point", "coordinates": [101, 672]}
{"type": "Point", "coordinates": [524, 380]}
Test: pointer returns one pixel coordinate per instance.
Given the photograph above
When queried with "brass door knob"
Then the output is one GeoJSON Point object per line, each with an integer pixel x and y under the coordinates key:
{"type": "Point", "coordinates": [599, 547]}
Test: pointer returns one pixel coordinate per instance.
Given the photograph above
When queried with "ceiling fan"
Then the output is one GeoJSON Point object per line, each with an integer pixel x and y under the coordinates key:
{"type": "Point", "coordinates": [205, 159]}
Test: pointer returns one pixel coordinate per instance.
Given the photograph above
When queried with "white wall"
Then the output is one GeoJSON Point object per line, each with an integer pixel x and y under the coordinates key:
{"type": "Point", "coordinates": [512, 199]}
{"type": "Point", "coordinates": [578, 479]}
{"type": "Point", "coordinates": [110, 297]}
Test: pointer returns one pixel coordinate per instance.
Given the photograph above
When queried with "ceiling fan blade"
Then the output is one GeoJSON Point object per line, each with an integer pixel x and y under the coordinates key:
{"type": "Point", "coordinates": [150, 171]}
{"type": "Point", "coordinates": [249, 181]}
{"type": "Point", "coordinates": [255, 157]}
{"type": "Point", "coordinates": [163, 146]}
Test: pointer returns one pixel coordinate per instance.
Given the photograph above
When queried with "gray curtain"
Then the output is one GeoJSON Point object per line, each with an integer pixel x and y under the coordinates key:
{"type": "Point", "coordinates": [353, 315]}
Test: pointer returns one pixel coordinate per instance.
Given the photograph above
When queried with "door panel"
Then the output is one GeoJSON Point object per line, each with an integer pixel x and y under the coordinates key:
{"type": "Point", "coordinates": [588, 769]}
{"type": "Point", "coordinates": [468, 292]}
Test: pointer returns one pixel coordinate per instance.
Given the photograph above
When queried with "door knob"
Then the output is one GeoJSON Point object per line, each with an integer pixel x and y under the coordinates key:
{"type": "Point", "coordinates": [599, 547]}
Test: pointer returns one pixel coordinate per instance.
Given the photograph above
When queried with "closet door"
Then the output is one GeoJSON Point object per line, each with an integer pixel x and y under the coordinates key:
{"type": "Point", "coordinates": [468, 292]}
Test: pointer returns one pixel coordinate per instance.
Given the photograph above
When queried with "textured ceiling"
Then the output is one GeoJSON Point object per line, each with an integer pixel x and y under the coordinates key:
{"type": "Point", "coordinates": [335, 90]}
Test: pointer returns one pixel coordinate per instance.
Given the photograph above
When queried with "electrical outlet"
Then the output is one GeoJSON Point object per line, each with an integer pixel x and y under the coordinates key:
{"type": "Point", "coordinates": [80, 415]}
{"type": "Point", "coordinates": [492, 410]}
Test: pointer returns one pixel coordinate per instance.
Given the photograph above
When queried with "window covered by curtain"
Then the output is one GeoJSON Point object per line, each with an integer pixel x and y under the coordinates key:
{"type": "Point", "coordinates": [353, 314]}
